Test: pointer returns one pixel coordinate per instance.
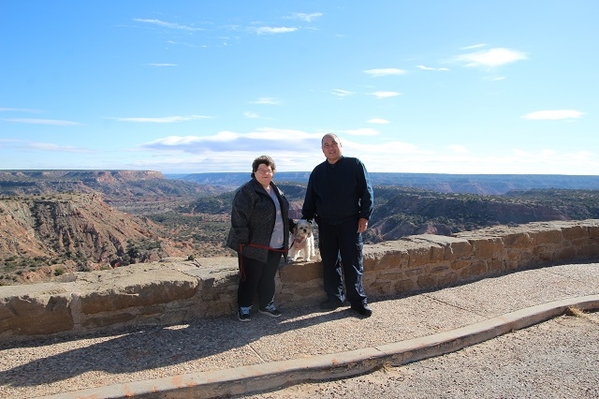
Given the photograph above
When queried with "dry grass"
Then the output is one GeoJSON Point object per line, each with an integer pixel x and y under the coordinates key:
{"type": "Point", "coordinates": [573, 311]}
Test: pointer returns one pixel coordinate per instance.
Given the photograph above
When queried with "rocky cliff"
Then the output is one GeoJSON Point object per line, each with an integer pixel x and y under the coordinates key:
{"type": "Point", "coordinates": [75, 232]}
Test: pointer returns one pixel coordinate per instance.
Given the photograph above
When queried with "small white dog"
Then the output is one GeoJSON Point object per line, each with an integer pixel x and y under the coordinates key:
{"type": "Point", "coordinates": [302, 242]}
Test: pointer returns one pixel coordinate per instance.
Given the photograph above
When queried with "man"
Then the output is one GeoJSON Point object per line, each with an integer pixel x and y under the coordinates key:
{"type": "Point", "coordinates": [340, 199]}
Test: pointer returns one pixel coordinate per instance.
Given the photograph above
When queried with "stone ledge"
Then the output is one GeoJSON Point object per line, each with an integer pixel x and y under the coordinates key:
{"type": "Point", "coordinates": [175, 291]}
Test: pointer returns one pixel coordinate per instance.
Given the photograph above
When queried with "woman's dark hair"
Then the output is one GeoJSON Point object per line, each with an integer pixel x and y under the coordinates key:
{"type": "Point", "coordinates": [263, 159]}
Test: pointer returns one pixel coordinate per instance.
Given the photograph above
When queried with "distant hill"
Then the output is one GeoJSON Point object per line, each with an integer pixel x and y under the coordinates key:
{"type": "Point", "coordinates": [442, 183]}
{"type": "Point", "coordinates": [112, 183]}
{"type": "Point", "coordinates": [122, 186]}
{"type": "Point", "coordinates": [232, 180]}
{"type": "Point", "coordinates": [135, 191]}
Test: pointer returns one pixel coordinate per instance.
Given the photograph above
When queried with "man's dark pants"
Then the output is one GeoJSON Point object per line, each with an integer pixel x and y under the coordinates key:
{"type": "Point", "coordinates": [340, 248]}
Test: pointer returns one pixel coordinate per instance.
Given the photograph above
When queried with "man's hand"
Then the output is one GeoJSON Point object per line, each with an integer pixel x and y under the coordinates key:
{"type": "Point", "coordinates": [362, 225]}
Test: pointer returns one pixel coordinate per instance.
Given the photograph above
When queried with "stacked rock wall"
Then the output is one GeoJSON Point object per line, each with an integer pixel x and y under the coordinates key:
{"type": "Point", "coordinates": [176, 291]}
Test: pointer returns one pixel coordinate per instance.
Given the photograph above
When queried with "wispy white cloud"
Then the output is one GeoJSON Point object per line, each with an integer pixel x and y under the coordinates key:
{"type": "Point", "coordinates": [32, 121]}
{"type": "Point", "coordinates": [7, 142]}
{"type": "Point", "coordinates": [381, 156]}
{"type": "Point", "coordinates": [251, 115]}
{"type": "Point", "coordinates": [304, 17]}
{"type": "Point", "coordinates": [267, 139]}
{"type": "Point", "coordinates": [384, 72]}
{"type": "Point", "coordinates": [21, 145]}
{"type": "Point", "coordinates": [341, 93]}
{"type": "Point", "coordinates": [163, 65]}
{"type": "Point", "coordinates": [378, 121]}
{"type": "Point", "coordinates": [385, 94]}
{"type": "Point", "coordinates": [57, 148]}
{"type": "Point", "coordinates": [170, 25]}
{"type": "Point", "coordinates": [551, 157]}
{"type": "Point", "coordinates": [165, 119]}
{"type": "Point", "coordinates": [267, 101]}
{"type": "Point", "coordinates": [457, 148]}
{"type": "Point", "coordinates": [491, 58]}
{"type": "Point", "coordinates": [554, 114]}
{"type": "Point", "coordinates": [473, 46]}
{"type": "Point", "coordinates": [24, 110]}
{"type": "Point", "coordinates": [425, 68]}
{"type": "Point", "coordinates": [362, 132]}
{"type": "Point", "coordinates": [269, 30]}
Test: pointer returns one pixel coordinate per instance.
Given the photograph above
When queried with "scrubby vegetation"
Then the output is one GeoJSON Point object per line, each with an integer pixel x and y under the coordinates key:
{"type": "Point", "coordinates": [205, 233]}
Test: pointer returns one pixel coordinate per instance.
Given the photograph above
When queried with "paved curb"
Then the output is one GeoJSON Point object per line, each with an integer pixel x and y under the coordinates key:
{"type": "Point", "coordinates": [262, 377]}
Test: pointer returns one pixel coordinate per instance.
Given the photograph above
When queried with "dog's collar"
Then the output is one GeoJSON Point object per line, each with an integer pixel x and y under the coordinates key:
{"type": "Point", "coordinates": [299, 243]}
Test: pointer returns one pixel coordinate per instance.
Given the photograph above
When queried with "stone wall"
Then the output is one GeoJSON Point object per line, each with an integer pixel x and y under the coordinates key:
{"type": "Point", "coordinates": [175, 291]}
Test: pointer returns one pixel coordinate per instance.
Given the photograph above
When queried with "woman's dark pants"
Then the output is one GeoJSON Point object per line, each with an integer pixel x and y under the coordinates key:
{"type": "Point", "coordinates": [260, 278]}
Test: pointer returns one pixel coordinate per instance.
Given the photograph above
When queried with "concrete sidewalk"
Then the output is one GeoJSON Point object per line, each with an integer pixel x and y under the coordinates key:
{"type": "Point", "coordinates": [224, 357]}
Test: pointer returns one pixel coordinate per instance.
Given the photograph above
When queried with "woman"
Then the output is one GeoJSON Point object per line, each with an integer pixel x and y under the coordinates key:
{"type": "Point", "coordinates": [260, 234]}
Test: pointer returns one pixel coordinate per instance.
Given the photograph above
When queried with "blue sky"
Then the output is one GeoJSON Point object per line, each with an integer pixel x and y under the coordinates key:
{"type": "Point", "coordinates": [477, 87]}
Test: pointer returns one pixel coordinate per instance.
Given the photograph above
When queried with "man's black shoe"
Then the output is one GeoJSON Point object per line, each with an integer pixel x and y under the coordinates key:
{"type": "Point", "coordinates": [331, 304]}
{"type": "Point", "coordinates": [362, 309]}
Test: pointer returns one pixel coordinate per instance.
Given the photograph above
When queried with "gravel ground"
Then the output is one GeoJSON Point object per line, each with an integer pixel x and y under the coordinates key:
{"type": "Point", "coordinates": [555, 359]}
